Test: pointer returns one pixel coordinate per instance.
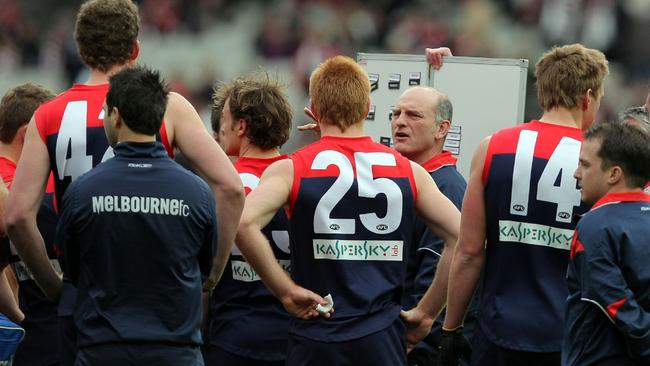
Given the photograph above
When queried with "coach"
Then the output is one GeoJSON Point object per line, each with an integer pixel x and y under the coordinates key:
{"type": "Point", "coordinates": [137, 233]}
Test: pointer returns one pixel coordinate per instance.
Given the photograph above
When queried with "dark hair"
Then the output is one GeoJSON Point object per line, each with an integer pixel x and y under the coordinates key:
{"type": "Point", "coordinates": [105, 32]}
{"type": "Point", "coordinates": [141, 97]}
{"type": "Point", "coordinates": [18, 106]}
{"type": "Point", "coordinates": [638, 113]}
{"type": "Point", "coordinates": [261, 103]}
{"type": "Point", "coordinates": [625, 146]}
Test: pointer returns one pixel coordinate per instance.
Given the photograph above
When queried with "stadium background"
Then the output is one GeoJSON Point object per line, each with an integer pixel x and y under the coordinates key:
{"type": "Point", "coordinates": [196, 43]}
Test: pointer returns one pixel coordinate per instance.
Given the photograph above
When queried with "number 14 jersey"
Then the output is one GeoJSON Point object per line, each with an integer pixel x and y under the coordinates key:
{"type": "Point", "coordinates": [531, 199]}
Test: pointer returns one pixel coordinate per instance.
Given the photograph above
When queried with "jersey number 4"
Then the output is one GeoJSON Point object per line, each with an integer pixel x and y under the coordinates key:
{"type": "Point", "coordinates": [72, 137]}
{"type": "Point", "coordinates": [369, 187]}
{"type": "Point", "coordinates": [562, 163]}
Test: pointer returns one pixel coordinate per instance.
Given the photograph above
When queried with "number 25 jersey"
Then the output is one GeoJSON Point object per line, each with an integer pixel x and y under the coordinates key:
{"type": "Point", "coordinates": [531, 198]}
{"type": "Point", "coordinates": [351, 221]}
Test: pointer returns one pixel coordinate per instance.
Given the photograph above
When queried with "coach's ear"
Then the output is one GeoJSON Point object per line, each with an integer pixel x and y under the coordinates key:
{"type": "Point", "coordinates": [135, 51]}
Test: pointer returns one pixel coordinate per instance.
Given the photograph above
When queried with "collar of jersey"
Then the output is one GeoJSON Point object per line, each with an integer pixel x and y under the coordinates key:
{"type": "Point", "coordinates": [637, 196]}
{"type": "Point", "coordinates": [345, 138]}
{"type": "Point", "coordinates": [443, 159]}
{"type": "Point", "coordinates": [129, 149]}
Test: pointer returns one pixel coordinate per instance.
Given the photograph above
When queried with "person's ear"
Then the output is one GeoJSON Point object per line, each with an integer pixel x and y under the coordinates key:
{"type": "Point", "coordinates": [442, 129]}
{"type": "Point", "coordinates": [135, 51]}
{"type": "Point", "coordinates": [241, 127]}
{"type": "Point", "coordinates": [20, 134]}
{"type": "Point", "coordinates": [615, 175]}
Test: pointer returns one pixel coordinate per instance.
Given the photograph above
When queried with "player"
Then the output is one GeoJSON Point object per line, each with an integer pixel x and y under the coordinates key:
{"type": "Point", "coordinates": [522, 197]}
{"type": "Point", "coordinates": [248, 325]}
{"type": "Point", "coordinates": [66, 136]}
{"type": "Point", "coordinates": [608, 309]}
{"type": "Point", "coordinates": [351, 203]}
{"type": "Point", "coordinates": [637, 116]}
{"type": "Point", "coordinates": [40, 323]}
{"type": "Point", "coordinates": [420, 123]}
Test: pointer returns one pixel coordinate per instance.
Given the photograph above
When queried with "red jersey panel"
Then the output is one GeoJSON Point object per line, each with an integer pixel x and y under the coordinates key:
{"type": "Point", "coordinates": [71, 126]}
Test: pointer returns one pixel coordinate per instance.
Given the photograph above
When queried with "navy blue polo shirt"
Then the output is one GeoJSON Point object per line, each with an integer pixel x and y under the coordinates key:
{"type": "Point", "coordinates": [137, 233]}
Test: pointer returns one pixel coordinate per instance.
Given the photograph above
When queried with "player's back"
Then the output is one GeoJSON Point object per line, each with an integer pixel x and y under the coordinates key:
{"type": "Point", "coordinates": [351, 218]}
{"type": "Point", "coordinates": [531, 198]}
{"type": "Point", "coordinates": [245, 318]}
{"type": "Point", "coordinates": [71, 126]}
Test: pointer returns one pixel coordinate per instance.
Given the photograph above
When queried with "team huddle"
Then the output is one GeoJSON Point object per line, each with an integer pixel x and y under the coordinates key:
{"type": "Point", "coordinates": [344, 252]}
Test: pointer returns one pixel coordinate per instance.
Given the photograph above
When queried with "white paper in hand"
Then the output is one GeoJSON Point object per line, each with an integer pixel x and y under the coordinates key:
{"type": "Point", "coordinates": [324, 309]}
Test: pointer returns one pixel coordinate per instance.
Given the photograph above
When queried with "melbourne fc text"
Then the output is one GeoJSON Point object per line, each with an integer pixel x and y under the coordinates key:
{"type": "Point", "coordinates": [139, 204]}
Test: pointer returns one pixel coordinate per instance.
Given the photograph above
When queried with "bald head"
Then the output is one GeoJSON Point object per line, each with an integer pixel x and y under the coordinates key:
{"type": "Point", "coordinates": [420, 122]}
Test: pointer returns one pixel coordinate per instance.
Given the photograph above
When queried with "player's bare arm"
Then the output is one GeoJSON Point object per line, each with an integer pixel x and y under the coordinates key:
{"type": "Point", "coordinates": [442, 217]}
{"type": "Point", "coordinates": [8, 304]}
{"type": "Point", "coordinates": [262, 203]}
{"type": "Point", "coordinates": [22, 206]}
{"type": "Point", "coordinates": [470, 251]}
{"type": "Point", "coordinates": [187, 132]}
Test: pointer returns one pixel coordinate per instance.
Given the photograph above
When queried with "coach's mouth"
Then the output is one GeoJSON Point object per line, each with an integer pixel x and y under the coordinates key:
{"type": "Point", "coordinates": [401, 136]}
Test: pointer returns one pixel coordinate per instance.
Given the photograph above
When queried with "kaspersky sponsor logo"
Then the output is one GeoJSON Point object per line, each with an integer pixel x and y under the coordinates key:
{"type": "Point", "coordinates": [242, 271]}
{"type": "Point", "coordinates": [364, 250]}
{"type": "Point", "coordinates": [535, 234]}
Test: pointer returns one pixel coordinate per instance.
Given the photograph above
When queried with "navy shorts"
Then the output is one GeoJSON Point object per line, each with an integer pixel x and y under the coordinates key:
{"type": "Point", "coordinates": [125, 354]}
{"type": "Point", "coordinates": [67, 341]}
{"type": "Point", "coordinates": [216, 356]}
{"type": "Point", "coordinates": [384, 348]}
{"type": "Point", "coordinates": [484, 352]}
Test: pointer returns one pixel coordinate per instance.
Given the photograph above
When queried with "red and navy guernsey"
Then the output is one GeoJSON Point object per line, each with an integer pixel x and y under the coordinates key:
{"type": "Point", "coordinates": [531, 199]}
{"type": "Point", "coordinates": [351, 223]}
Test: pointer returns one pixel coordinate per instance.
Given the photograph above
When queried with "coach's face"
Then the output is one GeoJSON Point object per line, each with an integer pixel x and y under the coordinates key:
{"type": "Point", "coordinates": [590, 173]}
{"type": "Point", "coordinates": [413, 123]}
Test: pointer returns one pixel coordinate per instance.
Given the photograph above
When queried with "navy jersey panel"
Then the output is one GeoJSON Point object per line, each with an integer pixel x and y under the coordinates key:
{"type": "Point", "coordinates": [531, 199]}
{"type": "Point", "coordinates": [40, 345]}
{"type": "Point", "coordinates": [425, 254]}
{"type": "Point", "coordinates": [245, 318]}
{"type": "Point", "coordinates": [352, 215]}
{"type": "Point", "coordinates": [608, 310]}
{"type": "Point", "coordinates": [138, 232]}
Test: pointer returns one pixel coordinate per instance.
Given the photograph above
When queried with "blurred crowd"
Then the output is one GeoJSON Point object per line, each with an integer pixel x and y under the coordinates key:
{"type": "Point", "coordinates": [38, 35]}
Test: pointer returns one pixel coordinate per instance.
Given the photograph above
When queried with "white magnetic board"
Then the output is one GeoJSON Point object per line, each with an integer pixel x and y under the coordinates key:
{"type": "Point", "coordinates": [486, 94]}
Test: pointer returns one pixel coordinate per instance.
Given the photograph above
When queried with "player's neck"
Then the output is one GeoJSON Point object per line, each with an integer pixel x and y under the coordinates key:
{"type": "Point", "coordinates": [354, 130]}
{"type": "Point", "coordinates": [248, 150]}
{"type": "Point", "coordinates": [98, 77]}
{"type": "Point", "coordinates": [563, 117]}
{"type": "Point", "coordinates": [126, 135]}
{"type": "Point", "coordinates": [623, 188]}
{"type": "Point", "coordinates": [11, 151]}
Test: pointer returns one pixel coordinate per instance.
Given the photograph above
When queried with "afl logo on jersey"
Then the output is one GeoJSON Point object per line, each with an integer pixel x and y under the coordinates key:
{"type": "Point", "coordinates": [563, 215]}
{"type": "Point", "coordinates": [382, 227]}
{"type": "Point", "coordinates": [335, 227]}
{"type": "Point", "coordinates": [518, 208]}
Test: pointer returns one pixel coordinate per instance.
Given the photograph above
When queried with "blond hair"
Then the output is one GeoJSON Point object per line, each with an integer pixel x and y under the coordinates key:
{"type": "Point", "coordinates": [565, 73]}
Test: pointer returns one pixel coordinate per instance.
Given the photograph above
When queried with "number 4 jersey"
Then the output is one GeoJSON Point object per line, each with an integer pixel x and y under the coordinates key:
{"type": "Point", "coordinates": [71, 126]}
{"type": "Point", "coordinates": [351, 222]}
{"type": "Point", "coordinates": [531, 198]}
